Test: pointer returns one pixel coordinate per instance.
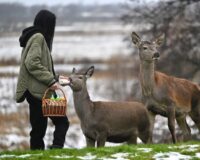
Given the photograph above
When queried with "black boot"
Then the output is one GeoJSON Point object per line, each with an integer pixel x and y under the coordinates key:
{"type": "Point", "coordinates": [55, 147]}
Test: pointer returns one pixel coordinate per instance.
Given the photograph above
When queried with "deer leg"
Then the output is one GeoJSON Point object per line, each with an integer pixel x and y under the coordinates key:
{"type": "Point", "coordinates": [171, 122]}
{"type": "Point", "coordinates": [101, 143]}
{"type": "Point", "coordinates": [195, 117]}
{"type": "Point", "coordinates": [181, 120]}
{"type": "Point", "coordinates": [144, 136]}
{"type": "Point", "coordinates": [101, 140]}
{"type": "Point", "coordinates": [133, 139]}
{"type": "Point", "coordinates": [195, 114]}
{"type": "Point", "coordinates": [90, 142]}
{"type": "Point", "coordinates": [152, 117]}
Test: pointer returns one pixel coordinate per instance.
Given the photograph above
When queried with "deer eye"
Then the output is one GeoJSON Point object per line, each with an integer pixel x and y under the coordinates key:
{"type": "Point", "coordinates": [145, 48]}
{"type": "Point", "coordinates": [80, 77]}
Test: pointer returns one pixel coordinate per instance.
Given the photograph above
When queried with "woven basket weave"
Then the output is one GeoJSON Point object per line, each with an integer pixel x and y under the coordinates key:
{"type": "Point", "coordinates": [54, 108]}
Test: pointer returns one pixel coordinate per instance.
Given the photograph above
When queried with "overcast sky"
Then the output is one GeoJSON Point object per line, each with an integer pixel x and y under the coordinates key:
{"type": "Point", "coordinates": [53, 2]}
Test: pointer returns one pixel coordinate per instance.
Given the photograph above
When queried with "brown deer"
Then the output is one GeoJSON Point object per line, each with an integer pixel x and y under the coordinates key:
{"type": "Point", "coordinates": [168, 96]}
{"type": "Point", "coordinates": [107, 121]}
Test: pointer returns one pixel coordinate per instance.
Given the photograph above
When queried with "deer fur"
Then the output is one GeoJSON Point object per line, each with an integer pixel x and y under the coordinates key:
{"type": "Point", "coordinates": [108, 121]}
{"type": "Point", "coordinates": [166, 95]}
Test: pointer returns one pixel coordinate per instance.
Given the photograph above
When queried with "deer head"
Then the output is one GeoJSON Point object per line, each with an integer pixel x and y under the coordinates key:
{"type": "Point", "coordinates": [78, 79]}
{"type": "Point", "coordinates": [148, 51]}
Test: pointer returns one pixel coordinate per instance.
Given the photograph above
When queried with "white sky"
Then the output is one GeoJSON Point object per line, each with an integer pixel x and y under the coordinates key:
{"type": "Point", "coordinates": [54, 2]}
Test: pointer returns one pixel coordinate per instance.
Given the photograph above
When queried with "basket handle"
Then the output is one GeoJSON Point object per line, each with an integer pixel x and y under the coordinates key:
{"type": "Point", "coordinates": [47, 90]}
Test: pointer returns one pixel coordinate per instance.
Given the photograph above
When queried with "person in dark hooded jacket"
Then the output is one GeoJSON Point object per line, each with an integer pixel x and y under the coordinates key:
{"type": "Point", "coordinates": [36, 75]}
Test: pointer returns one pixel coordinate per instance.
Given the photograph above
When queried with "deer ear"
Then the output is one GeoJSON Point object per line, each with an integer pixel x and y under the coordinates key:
{"type": "Point", "coordinates": [159, 40]}
{"type": "Point", "coordinates": [89, 72]}
{"type": "Point", "coordinates": [73, 70]}
{"type": "Point", "coordinates": [135, 39]}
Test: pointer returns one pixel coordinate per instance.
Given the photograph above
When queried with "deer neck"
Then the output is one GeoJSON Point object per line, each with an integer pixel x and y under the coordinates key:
{"type": "Point", "coordinates": [147, 77]}
{"type": "Point", "coordinates": [83, 104]}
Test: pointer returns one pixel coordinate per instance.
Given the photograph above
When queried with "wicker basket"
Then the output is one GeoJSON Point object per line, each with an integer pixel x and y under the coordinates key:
{"type": "Point", "coordinates": [54, 108]}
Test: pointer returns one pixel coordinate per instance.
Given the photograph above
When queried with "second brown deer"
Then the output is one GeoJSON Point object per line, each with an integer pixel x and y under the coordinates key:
{"type": "Point", "coordinates": [103, 121]}
{"type": "Point", "coordinates": [168, 96]}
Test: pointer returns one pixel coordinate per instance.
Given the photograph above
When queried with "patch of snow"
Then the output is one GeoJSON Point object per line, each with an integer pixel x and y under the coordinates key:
{"type": "Point", "coordinates": [9, 48]}
{"type": "Point", "coordinates": [161, 128]}
{"type": "Point", "coordinates": [18, 156]}
{"type": "Point", "coordinates": [191, 148]}
{"type": "Point", "coordinates": [6, 156]}
{"type": "Point", "coordinates": [76, 46]}
{"type": "Point", "coordinates": [24, 156]}
{"type": "Point", "coordinates": [171, 156]}
{"type": "Point", "coordinates": [94, 26]}
{"type": "Point", "coordinates": [197, 155]}
{"type": "Point", "coordinates": [92, 47]}
{"type": "Point", "coordinates": [62, 157]}
{"type": "Point", "coordinates": [120, 155]}
{"type": "Point", "coordinates": [9, 69]}
{"type": "Point", "coordinates": [11, 139]}
{"type": "Point", "coordinates": [117, 156]}
{"type": "Point", "coordinates": [88, 156]}
{"type": "Point", "coordinates": [75, 137]}
{"type": "Point", "coordinates": [146, 150]}
{"type": "Point", "coordinates": [113, 144]}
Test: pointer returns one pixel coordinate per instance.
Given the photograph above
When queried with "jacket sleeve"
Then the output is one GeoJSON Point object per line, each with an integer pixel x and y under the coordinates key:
{"type": "Point", "coordinates": [34, 65]}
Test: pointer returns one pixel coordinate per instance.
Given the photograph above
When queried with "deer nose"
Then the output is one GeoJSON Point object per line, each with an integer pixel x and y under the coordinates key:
{"type": "Point", "coordinates": [156, 55]}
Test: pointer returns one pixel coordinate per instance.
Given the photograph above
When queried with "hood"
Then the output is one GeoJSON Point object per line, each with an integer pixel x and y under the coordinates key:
{"type": "Point", "coordinates": [44, 23]}
{"type": "Point", "coordinates": [26, 34]}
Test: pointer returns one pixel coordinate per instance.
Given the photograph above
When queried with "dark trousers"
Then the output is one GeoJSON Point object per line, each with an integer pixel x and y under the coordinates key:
{"type": "Point", "coordinates": [39, 125]}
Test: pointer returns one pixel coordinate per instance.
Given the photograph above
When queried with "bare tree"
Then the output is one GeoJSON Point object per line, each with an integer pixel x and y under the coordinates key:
{"type": "Point", "coordinates": [180, 21]}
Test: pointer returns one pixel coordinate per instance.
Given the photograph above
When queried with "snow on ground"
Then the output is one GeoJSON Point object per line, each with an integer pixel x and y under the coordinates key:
{"type": "Point", "coordinates": [23, 156]}
{"type": "Point", "coordinates": [9, 70]}
{"type": "Point", "coordinates": [62, 157]}
{"type": "Point", "coordinates": [91, 47]}
{"type": "Point", "coordinates": [94, 27]}
{"type": "Point", "coordinates": [120, 155]}
{"type": "Point", "coordinates": [197, 155]}
{"type": "Point", "coordinates": [146, 150]}
{"type": "Point", "coordinates": [74, 137]}
{"type": "Point", "coordinates": [178, 156]}
{"type": "Point", "coordinates": [10, 139]}
{"type": "Point", "coordinates": [171, 156]}
{"type": "Point", "coordinates": [9, 48]}
{"type": "Point", "coordinates": [77, 46]}
{"type": "Point", "coordinates": [192, 147]}
{"type": "Point", "coordinates": [7, 95]}
{"type": "Point", "coordinates": [117, 156]}
{"type": "Point", "coordinates": [88, 156]}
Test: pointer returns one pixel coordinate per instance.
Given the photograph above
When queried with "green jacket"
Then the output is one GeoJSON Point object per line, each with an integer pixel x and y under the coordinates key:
{"type": "Point", "coordinates": [36, 72]}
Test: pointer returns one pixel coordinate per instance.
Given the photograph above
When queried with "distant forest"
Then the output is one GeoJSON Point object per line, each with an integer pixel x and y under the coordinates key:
{"type": "Point", "coordinates": [14, 16]}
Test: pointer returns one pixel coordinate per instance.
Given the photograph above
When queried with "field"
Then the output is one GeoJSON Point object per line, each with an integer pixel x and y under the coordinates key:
{"type": "Point", "coordinates": [181, 151]}
{"type": "Point", "coordinates": [75, 46]}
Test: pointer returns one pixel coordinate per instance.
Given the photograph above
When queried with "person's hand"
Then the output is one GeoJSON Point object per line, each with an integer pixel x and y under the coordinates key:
{"type": "Point", "coordinates": [55, 86]}
{"type": "Point", "coordinates": [63, 80]}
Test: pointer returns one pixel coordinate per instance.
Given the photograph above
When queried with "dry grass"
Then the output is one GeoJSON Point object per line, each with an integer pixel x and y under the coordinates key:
{"type": "Point", "coordinates": [17, 120]}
